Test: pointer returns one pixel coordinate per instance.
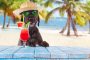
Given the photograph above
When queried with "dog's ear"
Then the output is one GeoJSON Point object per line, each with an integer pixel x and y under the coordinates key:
{"type": "Point", "coordinates": [38, 20]}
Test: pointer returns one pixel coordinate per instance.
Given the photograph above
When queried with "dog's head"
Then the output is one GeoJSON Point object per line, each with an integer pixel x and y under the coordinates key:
{"type": "Point", "coordinates": [31, 16]}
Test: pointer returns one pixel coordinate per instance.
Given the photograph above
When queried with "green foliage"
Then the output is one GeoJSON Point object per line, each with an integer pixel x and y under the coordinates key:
{"type": "Point", "coordinates": [8, 6]}
{"type": "Point", "coordinates": [81, 17]}
{"type": "Point", "coordinates": [62, 11]}
{"type": "Point", "coordinates": [3, 4]}
{"type": "Point", "coordinates": [80, 21]}
{"type": "Point", "coordinates": [48, 4]}
{"type": "Point", "coordinates": [50, 13]}
{"type": "Point", "coordinates": [40, 2]}
{"type": "Point", "coordinates": [86, 8]}
{"type": "Point", "coordinates": [16, 4]}
{"type": "Point", "coordinates": [48, 16]}
{"type": "Point", "coordinates": [37, 1]}
{"type": "Point", "coordinates": [26, 25]}
{"type": "Point", "coordinates": [43, 14]}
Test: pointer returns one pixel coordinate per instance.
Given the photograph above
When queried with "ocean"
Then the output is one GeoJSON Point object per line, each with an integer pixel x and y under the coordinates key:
{"type": "Point", "coordinates": [53, 23]}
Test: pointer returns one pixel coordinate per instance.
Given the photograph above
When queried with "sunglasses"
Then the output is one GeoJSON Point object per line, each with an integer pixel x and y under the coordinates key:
{"type": "Point", "coordinates": [30, 13]}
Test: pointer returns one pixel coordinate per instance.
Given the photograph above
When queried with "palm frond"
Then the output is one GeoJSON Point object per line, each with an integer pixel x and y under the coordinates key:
{"type": "Point", "coordinates": [50, 13]}
{"type": "Point", "coordinates": [43, 14]}
{"type": "Point", "coordinates": [62, 11]}
{"type": "Point", "coordinates": [80, 21]}
{"type": "Point", "coordinates": [81, 18]}
{"type": "Point", "coordinates": [56, 1]}
{"type": "Point", "coordinates": [73, 4]}
{"type": "Point", "coordinates": [48, 4]}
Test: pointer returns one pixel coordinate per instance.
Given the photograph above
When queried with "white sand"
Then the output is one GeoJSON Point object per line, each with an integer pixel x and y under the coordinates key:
{"type": "Point", "coordinates": [53, 37]}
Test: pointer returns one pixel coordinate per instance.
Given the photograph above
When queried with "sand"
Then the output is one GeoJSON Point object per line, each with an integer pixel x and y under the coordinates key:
{"type": "Point", "coordinates": [10, 37]}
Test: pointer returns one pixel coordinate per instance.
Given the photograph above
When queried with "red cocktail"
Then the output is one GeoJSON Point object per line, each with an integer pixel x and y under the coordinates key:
{"type": "Point", "coordinates": [24, 35]}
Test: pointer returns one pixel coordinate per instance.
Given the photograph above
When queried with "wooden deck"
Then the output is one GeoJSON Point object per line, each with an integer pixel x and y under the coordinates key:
{"type": "Point", "coordinates": [41, 53]}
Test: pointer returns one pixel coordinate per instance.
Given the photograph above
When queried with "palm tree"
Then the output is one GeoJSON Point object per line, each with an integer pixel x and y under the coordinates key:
{"type": "Point", "coordinates": [89, 26]}
{"type": "Point", "coordinates": [86, 7]}
{"type": "Point", "coordinates": [16, 4]}
{"type": "Point", "coordinates": [73, 9]}
{"type": "Point", "coordinates": [7, 6]}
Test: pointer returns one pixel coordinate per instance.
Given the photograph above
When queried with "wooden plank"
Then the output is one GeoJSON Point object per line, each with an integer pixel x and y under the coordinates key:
{"type": "Point", "coordinates": [43, 59]}
{"type": "Point", "coordinates": [25, 52]}
{"type": "Point", "coordinates": [79, 59]}
{"type": "Point", "coordinates": [8, 53]}
{"type": "Point", "coordinates": [3, 48]}
{"type": "Point", "coordinates": [86, 51]}
{"type": "Point", "coordinates": [41, 52]}
{"type": "Point", "coordinates": [53, 59]}
{"type": "Point", "coordinates": [57, 53]}
{"type": "Point", "coordinates": [48, 59]}
{"type": "Point", "coordinates": [74, 53]}
{"type": "Point", "coordinates": [18, 59]}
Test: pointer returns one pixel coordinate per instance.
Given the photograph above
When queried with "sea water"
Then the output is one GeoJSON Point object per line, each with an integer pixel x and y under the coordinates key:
{"type": "Point", "coordinates": [53, 23]}
{"type": "Point", "coordinates": [59, 23]}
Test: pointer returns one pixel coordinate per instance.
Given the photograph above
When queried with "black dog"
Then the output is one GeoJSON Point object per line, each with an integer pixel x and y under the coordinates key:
{"type": "Point", "coordinates": [35, 37]}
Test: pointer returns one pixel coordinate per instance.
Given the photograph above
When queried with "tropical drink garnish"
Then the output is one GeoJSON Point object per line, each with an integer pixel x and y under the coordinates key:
{"type": "Point", "coordinates": [20, 24]}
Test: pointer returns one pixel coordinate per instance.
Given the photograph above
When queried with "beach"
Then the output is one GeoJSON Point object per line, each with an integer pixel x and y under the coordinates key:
{"type": "Point", "coordinates": [10, 37]}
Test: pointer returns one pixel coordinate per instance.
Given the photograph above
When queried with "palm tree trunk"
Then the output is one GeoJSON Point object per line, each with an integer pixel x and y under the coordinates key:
{"type": "Point", "coordinates": [4, 20]}
{"type": "Point", "coordinates": [69, 20]}
{"type": "Point", "coordinates": [89, 26]}
{"type": "Point", "coordinates": [74, 27]}
{"type": "Point", "coordinates": [8, 22]}
{"type": "Point", "coordinates": [69, 14]}
{"type": "Point", "coordinates": [64, 28]}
